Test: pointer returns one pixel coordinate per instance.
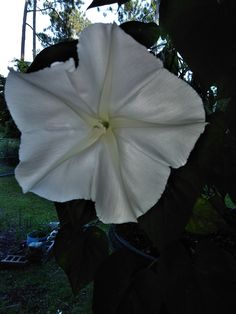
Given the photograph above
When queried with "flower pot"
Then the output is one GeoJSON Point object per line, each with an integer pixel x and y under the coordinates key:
{"type": "Point", "coordinates": [36, 236]}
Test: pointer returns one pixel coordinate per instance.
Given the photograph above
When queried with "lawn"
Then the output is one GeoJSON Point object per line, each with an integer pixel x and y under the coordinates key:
{"type": "Point", "coordinates": [38, 288]}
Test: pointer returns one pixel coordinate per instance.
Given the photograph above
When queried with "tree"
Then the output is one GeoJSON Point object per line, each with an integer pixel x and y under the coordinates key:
{"type": "Point", "coordinates": [6, 122]}
{"type": "Point", "coordinates": [66, 21]}
{"type": "Point", "coordinates": [137, 10]}
{"type": "Point", "coordinates": [28, 7]}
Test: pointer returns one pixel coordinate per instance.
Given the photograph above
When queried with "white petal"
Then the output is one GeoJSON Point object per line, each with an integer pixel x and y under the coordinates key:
{"type": "Point", "coordinates": [93, 51]}
{"type": "Point", "coordinates": [129, 69]}
{"type": "Point", "coordinates": [127, 182]}
{"type": "Point", "coordinates": [45, 98]}
{"type": "Point", "coordinates": [114, 64]}
{"type": "Point", "coordinates": [165, 99]}
{"type": "Point", "coordinates": [60, 167]}
{"type": "Point", "coordinates": [108, 190]}
{"type": "Point", "coordinates": [171, 145]}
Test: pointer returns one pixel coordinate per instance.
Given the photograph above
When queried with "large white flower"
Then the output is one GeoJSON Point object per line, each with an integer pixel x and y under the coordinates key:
{"type": "Point", "coordinates": [108, 130]}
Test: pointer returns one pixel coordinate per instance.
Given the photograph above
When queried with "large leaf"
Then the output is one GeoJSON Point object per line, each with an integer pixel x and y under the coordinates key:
{"type": "Point", "coordinates": [229, 174]}
{"type": "Point", "coordinates": [144, 294]}
{"type": "Point", "coordinates": [215, 271]}
{"type": "Point", "coordinates": [204, 219]}
{"type": "Point", "coordinates": [77, 213]}
{"type": "Point", "coordinates": [59, 52]}
{"type": "Point", "coordinates": [165, 222]}
{"type": "Point", "coordinates": [199, 28]}
{"type": "Point", "coordinates": [180, 291]}
{"type": "Point", "coordinates": [146, 34]}
{"type": "Point", "coordinates": [79, 249]}
{"type": "Point", "coordinates": [202, 284]}
{"type": "Point", "coordinates": [120, 280]}
{"type": "Point", "coordinates": [97, 3]}
{"type": "Point", "coordinates": [230, 116]}
{"type": "Point", "coordinates": [80, 254]}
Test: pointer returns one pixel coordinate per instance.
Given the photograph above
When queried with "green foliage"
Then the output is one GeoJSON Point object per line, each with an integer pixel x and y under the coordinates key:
{"type": "Point", "coordinates": [146, 34]}
{"type": "Point", "coordinates": [79, 249]}
{"type": "Point", "coordinates": [58, 52]}
{"type": "Point", "coordinates": [97, 3]}
{"type": "Point", "coordinates": [194, 27]}
{"type": "Point", "coordinates": [21, 65]}
{"type": "Point", "coordinates": [4, 113]}
{"type": "Point", "coordinates": [66, 21]}
{"type": "Point", "coordinates": [137, 10]}
{"type": "Point", "coordinates": [7, 124]}
{"type": "Point", "coordinates": [204, 219]}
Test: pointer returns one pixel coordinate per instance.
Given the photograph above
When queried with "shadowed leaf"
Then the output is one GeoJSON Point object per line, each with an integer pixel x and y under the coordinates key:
{"type": "Point", "coordinates": [146, 34]}
{"type": "Point", "coordinates": [79, 250]}
{"type": "Point", "coordinates": [195, 28]}
{"type": "Point", "coordinates": [59, 52]}
{"type": "Point", "coordinates": [80, 254]}
{"type": "Point", "coordinates": [115, 278]}
{"type": "Point", "coordinates": [97, 3]}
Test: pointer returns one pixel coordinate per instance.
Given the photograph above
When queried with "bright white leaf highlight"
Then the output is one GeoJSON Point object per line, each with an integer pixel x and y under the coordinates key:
{"type": "Point", "coordinates": [108, 130]}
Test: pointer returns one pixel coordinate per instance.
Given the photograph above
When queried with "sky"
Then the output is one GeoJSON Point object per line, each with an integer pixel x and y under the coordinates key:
{"type": "Point", "coordinates": [11, 14]}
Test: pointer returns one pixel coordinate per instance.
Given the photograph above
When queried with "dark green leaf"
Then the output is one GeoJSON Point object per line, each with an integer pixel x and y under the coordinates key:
{"type": "Point", "coordinates": [231, 115]}
{"type": "Point", "coordinates": [204, 219]}
{"type": "Point", "coordinates": [59, 52]}
{"type": "Point", "coordinates": [144, 294]}
{"type": "Point", "coordinates": [113, 280]}
{"type": "Point", "coordinates": [80, 254]}
{"type": "Point", "coordinates": [216, 277]}
{"type": "Point", "coordinates": [97, 3]}
{"type": "Point", "coordinates": [146, 34]}
{"type": "Point", "coordinates": [79, 250]}
{"type": "Point", "coordinates": [76, 213]}
{"type": "Point", "coordinates": [229, 174]}
{"type": "Point", "coordinates": [165, 221]}
{"type": "Point", "coordinates": [179, 287]}
{"type": "Point", "coordinates": [195, 28]}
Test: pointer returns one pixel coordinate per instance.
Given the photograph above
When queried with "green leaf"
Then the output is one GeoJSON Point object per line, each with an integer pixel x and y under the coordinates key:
{"type": "Point", "coordinates": [146, 34]}
{"type": "Point", "coordinates": [195, 28]}
{"type": "Point", "coordinates": [97, 3]}
{"type": "Point", "coordinates": [231, 115]}
{"type": "Point", "coordinates": [144, 294]}
{"type": "Point", "coordinates": [79, 249]}
{"type": "Point", "coordinates": [215, 271]}
{"type": "Point", "coordinates": [179, 287]}
{"type": "Point", "coordinates": [165, 221]}
{"type": "Point", "coordinates": [202, 284]}
{"type": "Point", "coordinates": [229, 174]}
{"type": "Point", "coordinates": [59, 52]}
{"type": "Point", "coordinates": [76, 213]}
{"type": "Point", "coordinates": [204, 219]}
{"type": "Point", "coordinates": [113, 283]}
{"type": "Point", "coordinates": [80, 254]}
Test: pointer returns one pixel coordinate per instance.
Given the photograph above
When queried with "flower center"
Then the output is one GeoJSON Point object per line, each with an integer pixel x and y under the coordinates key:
{"type": "Point", "coordinates": [101, 124]}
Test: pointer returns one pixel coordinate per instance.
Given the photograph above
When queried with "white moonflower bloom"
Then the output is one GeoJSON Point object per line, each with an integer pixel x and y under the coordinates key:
{"type": "Point", "coordinates": [108, 130]}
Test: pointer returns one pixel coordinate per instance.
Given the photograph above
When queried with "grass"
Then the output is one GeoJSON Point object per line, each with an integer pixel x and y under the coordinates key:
{"type": "Point", "coordinates": [37, 288]}
{"type": "Point", "coordinates": [22, 212]}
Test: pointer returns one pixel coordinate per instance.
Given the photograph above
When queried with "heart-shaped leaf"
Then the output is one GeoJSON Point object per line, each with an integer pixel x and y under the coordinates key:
{"type": "Point", "coordinates": [195, 28]}
{"type": "Point", "coordinates": [114, 279]}
{"type": "Point", "coordinates": [80, 254]}
{"type": "Point", "coordinates": [98, 3]}
{"type": "Point", "coordinates": [146, 34]}
{"type": "Point", "coordinates": [79, 249]}
{"type": "Point", "coordinates": [59, 52]}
